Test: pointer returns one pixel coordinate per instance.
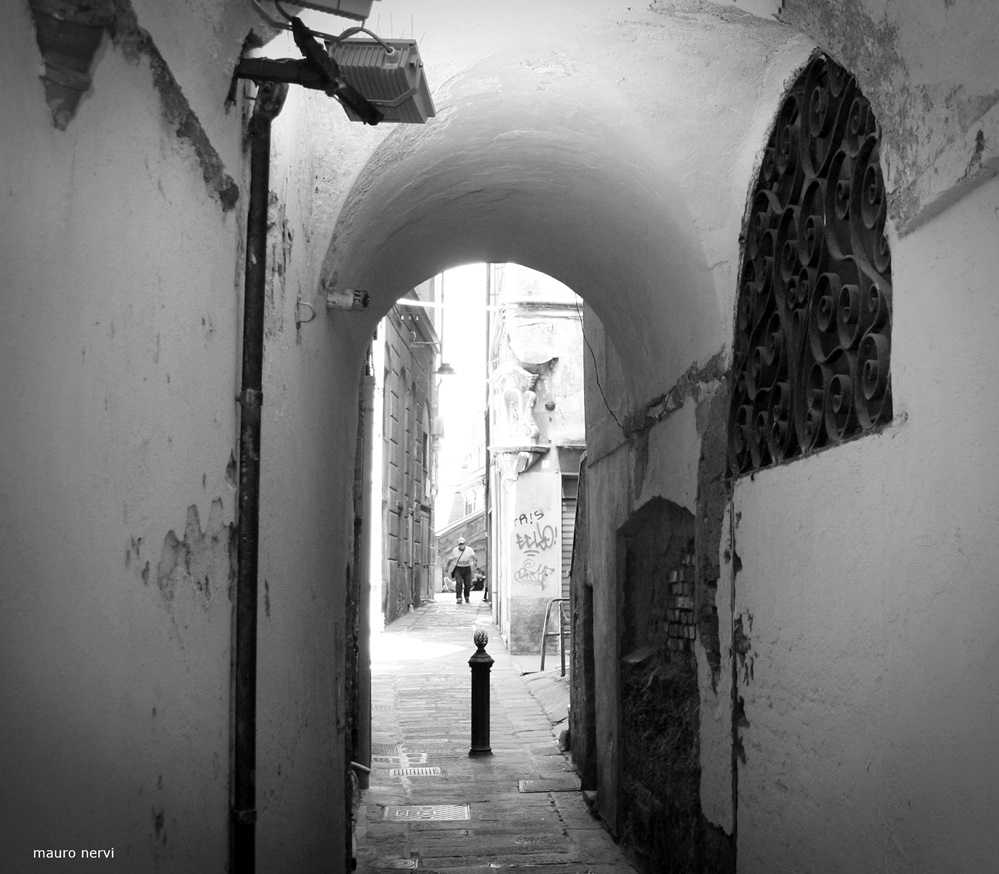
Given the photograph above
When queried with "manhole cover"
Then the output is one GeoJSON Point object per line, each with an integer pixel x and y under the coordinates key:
{"type": "Point", "coordinates": [424, 812]}
{"type": "Point", "coordinates": [566, 784]}
{"type": "Point", "coordinates": [411, 759]}
{"type": "Point", "coordinates": [414, 772]}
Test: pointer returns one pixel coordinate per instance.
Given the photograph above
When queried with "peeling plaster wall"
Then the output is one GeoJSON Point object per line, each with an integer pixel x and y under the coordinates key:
{"type": "Point", "coordinates": [306, 518]}
{"type": "Point", "coordinates": [868, 574]}
{"type": "Point", "coordinates": [117, 350]}
{"type": "Point", "coordinates": [843, 744]}
{"type": "Point", "coordinates": [120, 332]}
{"type": "Point", "coordinates": [611, 503]}
{"type": "Point", "coordinates": [930, 75]}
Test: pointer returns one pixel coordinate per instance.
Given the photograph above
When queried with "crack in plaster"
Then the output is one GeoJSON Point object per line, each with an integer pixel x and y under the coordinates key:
{"type": "Point", "coordinates": [687, 386]}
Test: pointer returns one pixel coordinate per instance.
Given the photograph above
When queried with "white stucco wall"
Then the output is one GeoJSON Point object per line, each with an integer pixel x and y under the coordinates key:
{"type": "Point", "coordinates": [117, 338]}
{"type": "Point", "coordinates": [306, 523]}
{"type": "Point", "coordinates": [120, 332]}
{"type": "Point", "coordinates": [606, 499]}
{"type": "Point", "coordinates": [869, 574]}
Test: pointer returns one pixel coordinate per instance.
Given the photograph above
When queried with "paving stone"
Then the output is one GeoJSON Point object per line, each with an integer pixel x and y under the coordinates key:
{"type": "Point", "coordinates": [422, 719]}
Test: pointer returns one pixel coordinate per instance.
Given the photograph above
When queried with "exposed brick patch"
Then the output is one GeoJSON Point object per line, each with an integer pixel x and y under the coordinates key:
{"type": "Point", "coordinates": [660, 821]}
{"type": "Point", "coordinates": [681, 627]}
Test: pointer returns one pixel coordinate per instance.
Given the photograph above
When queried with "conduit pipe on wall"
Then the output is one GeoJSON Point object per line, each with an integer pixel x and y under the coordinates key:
{"type": "Point", "coordinates": [270, 100]}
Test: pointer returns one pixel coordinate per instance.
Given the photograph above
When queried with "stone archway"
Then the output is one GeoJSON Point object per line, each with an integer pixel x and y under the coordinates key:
{"type": "Point", "coordinates": [557, 179]}
{"type": "Point", "coordinates": [540, 161]}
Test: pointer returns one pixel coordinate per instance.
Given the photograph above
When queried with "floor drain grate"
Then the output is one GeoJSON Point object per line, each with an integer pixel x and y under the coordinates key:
{"type": "Point", "coordinates": [425, 812]}
{"type": "Point", "coordinates": [414, 772]}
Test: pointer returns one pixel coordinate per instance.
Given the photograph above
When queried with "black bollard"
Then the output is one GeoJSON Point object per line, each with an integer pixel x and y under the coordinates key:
{"type": "Point", "coordinates": [480, 663]}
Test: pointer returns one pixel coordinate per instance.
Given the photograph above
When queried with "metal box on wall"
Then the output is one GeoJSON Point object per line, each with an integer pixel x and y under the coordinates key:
{"type": "Point", "coordinates": [394, 82]}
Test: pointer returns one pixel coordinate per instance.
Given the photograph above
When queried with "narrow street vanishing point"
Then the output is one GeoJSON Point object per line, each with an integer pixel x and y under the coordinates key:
{"type": "Point", "coordinates": [431, 806]}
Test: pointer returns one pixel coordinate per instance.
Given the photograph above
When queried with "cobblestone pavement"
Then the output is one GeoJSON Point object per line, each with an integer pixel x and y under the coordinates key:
{"type": "Point", "coordinates": [432, 807]}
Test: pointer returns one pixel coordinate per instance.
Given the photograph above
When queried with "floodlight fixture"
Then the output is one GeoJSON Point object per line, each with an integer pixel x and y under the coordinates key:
{"type": "Point", "coordinates": [389, 73]}
{"type": "Point", "coordinates": [347, 299]}
{"type": "Point", "coordinates": [373, 79]}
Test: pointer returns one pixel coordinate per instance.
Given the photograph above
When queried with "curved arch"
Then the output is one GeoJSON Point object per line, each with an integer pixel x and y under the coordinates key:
{"type": "Point", "coordinates": [558, 176]}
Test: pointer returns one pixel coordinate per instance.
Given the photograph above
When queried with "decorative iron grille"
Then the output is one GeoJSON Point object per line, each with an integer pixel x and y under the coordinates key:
{"type": "Point", "coordinates": [813, 323]}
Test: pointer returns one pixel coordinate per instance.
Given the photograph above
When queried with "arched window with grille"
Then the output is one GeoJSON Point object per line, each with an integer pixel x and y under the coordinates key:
{"type": "Point", "coordinates": [812, 341]}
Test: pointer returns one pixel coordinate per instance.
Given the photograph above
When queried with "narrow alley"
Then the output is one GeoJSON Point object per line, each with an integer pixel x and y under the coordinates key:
{"type": "Point", "coordinates": [724, 274]}
{"type": "Point", "coordinates": [432, 807]}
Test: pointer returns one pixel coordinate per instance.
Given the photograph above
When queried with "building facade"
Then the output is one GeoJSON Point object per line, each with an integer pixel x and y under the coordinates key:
{"type": "Point", "coordinates": [407, 344]}
{"type": "Point", "coordinates": [536, 438]}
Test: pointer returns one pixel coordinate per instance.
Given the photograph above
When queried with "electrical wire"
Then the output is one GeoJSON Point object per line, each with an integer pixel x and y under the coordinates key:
{"type": "Point", "coordinates": [335, 40]}
{"type": "Point", "coordinates": [280, 8]}
{"type": "Point", "coordinates": [350, 31]}
{"type": "Point", "coordinates": [596, 372]}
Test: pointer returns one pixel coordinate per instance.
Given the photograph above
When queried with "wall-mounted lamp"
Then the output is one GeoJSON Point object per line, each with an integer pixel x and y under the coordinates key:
{"type": "Point", "coordinates": [389, 73]}
{"type": "Point", "coordinates": [373, 79]}
{"type": "Point", "coordinates": [445, 370]}
{"type": "Point", "coordinates": [347, 299]}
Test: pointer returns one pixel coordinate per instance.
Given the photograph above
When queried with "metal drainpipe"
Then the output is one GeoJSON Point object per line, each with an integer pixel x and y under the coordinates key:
{"type": "Point", "coordinates": [363, 751]}
{"type": "Point", "coordinates": [270, 99]}
{"type": "Point", "coordinates": [487, 471]}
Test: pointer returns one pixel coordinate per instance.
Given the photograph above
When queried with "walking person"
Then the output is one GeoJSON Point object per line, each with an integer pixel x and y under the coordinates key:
{"type": "Point", "coordinates": [462, 562]}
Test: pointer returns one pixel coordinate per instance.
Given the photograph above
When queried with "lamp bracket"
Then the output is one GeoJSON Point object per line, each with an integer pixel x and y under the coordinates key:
{"type": "Point", "coordinates": [318, 71]}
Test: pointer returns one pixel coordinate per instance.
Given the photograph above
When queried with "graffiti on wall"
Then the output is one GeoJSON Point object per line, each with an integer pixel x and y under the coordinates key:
{"type": "Point", "coordinates": [535, 549]}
